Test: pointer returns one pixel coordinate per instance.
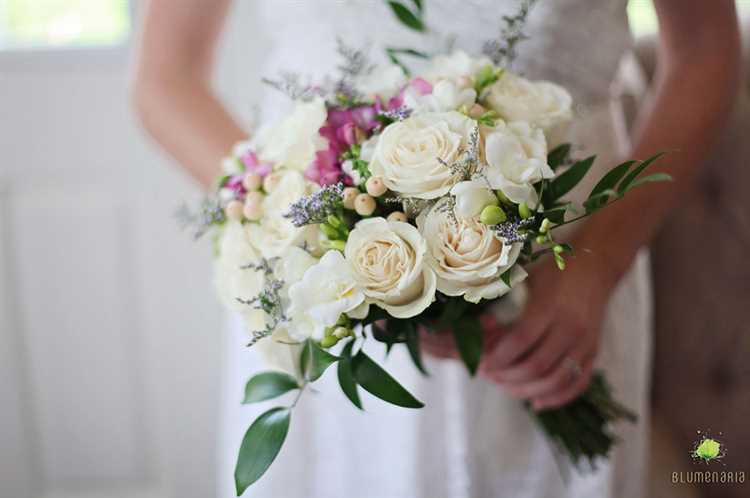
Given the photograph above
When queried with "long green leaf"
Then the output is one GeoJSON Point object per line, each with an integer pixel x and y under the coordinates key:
{"type": "Point", "coordinates": [568, 179]}
{"type": "Point", "coordinates": [346, 377]}
{"type": "Point", "coordinates": [315, 360]}
{"type": "Point", "coordinates": [260, 446]}
{"type": "Point", "coordinates": [468, 336]}
{"type": "Point", "coordinates": [406, 16]}
{"type": "Point", "coordinates": [625, 183]}
{"type": "Point", "coordinates": [656, 177]}
{"type": "Point", "coordinates": [608, 182]}
{"type": "Point", "coordinates": [557, 156]}
{"type": "Point", "coordinates": [379, 383]}
{"type": "Point", "coordinates": [412, 344]}
{"type": "Point", "coordinates": [267, 385]}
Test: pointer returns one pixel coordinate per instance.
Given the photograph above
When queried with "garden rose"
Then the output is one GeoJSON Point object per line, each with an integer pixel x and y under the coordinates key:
{"type": "Point", "coordinates": [387, 259]}
{"type": "Point", "coordinates": [408, 153]}
{"type": "Point", "coordinates": [466, 256]}
{"type": "Point", "coordinates": [453, 66]}
{"type": "Point", "coordinates": [539, 103]}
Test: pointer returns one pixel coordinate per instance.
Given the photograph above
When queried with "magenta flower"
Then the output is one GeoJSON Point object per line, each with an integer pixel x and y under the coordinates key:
{"type": "Point", "coordinates": [253, 164]}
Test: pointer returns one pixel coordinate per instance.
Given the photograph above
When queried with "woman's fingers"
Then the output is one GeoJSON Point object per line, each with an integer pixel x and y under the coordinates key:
{"type": "Point", "coordinates": [559, 377]}
{"type": "Point", "coordinates": [439, 344]}
{"type": "Point", "coordinates": [516, 342]}
{"type": "Point", "coordinates": [560, 397]}
{"type": "Point", "coordinates": [540, 360]}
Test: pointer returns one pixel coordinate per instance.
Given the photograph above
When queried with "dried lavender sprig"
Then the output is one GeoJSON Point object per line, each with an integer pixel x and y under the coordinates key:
{"type": "Point", "coordinates": [513, 230]}
{"type": "Point", "coordinates": [398, 114]}
{"type": "Point", "coordinates": [316, 208]}
{"type": "Point", "coordinates": [503, 50]}
{"type": "Point", "coordinates": [208, 214]}
{"type": "Point", "coordinates": [468, 163]}
{"type": "Point", "coordinates": [355, 61]}
{"type": "Point", "coordinates": [290, 84]}
{"type": "Point", "coordinates": [268, 300]}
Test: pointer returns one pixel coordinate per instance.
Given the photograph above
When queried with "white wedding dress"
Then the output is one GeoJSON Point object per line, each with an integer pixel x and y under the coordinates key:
{"type": "Point", "coordinates": [471, 441]}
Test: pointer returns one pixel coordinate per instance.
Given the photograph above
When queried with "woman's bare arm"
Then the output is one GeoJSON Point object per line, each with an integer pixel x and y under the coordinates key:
{"type": "Point", "coordinates": [172, 90]}
{"type": "Point", "coordinates": [697, 78]}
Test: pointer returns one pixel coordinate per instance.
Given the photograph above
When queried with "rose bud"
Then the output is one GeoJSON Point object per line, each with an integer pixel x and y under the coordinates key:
{"type": "Point", "coordinates": [348, 196]}
{"type": "Point", "coordinates": [234, 210]}
{"type": "Point", "coordinates": [252, 181]}
{"type": "Point", "coordinates": [397, 216]}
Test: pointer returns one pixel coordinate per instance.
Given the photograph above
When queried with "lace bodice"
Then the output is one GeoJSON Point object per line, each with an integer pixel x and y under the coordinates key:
{"type": "Point", "coordinates": [576, 43]}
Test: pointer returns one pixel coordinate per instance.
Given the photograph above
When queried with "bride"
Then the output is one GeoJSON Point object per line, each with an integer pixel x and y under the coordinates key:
{"type": "Point", "coordinates": [473, 440]}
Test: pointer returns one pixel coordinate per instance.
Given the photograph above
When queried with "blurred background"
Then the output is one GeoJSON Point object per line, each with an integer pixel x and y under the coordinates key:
{"type": "Point", "coordinates": [110, 336]}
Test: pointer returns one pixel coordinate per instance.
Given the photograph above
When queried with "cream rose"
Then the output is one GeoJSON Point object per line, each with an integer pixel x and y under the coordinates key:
{"type": "Point", "coordinates": [408, 153]}
{"type": "Point", "coordinates": [466, 256]}
{"type": "Point", "coordinates": [453, 66]}
{"type": "Point", "coordinates": [539, 103]}
{"type": "Point", "coordinates": [387, 259]}
{"type": "Point", "coordinates": [446, 96]}
{"type": "Point", "coordinates": [516, 156]}
{"type": "Point", "coordinates": [383, 81]}
{"type": "Point", "coordinates": [274, 234]}
{"type": "Point", "coordinates": [294, 141]}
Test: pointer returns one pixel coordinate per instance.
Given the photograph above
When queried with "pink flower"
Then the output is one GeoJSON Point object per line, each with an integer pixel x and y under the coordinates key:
{"type": "Point", "coordinates": [423, 87]}
{"type": "Point", "coordinates": [253, 165]}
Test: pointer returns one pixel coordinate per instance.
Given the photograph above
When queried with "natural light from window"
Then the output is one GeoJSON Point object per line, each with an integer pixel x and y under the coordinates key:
{"type": "Point", "coordinates": [63, 23]}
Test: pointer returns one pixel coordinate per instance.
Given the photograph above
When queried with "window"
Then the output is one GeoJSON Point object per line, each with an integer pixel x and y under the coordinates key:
{"type": "Point", "coordinates": [63, 23]}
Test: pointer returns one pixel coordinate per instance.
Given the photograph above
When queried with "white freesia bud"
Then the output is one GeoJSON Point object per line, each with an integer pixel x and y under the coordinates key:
{"type": "Point", "coordinates": [516, 157]}
{"type": "Point", "coordinates": [326, 290]}
{"type": "Point", "coordinates": [472, 197]}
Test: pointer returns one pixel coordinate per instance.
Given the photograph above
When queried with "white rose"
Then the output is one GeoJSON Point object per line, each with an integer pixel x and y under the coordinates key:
{"type": "Point", "coordinates": [294, 142]}
{"type": "Point", "coordinates": [454, 66]}
{"type": "Point", "coordinates": [327, 290]}
{"type": "Point", "coordinates": [387, 259]}
{"type": "Point", "coordinates": [274, 234]}
{"type": "Point", "coordinates": [383, 80]}
{"type": "Point", "coordinates": [472, 197]}
{"type": "Point", "coordinates": [540, 103]}
{"type": "Point", "coordinates": [516, 156]}
{"type": "Point", "coordinates": [446, 96]}
{"type": "Point", "coordinates": [408, 153]}
{"type": "Point", "coordinates": [467, 256]}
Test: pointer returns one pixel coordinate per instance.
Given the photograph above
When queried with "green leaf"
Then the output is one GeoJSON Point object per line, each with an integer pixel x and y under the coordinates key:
{"type": "Point", "coordinates": [267, 385]}
{"type": "Point", "coordinates": [453, 310]}
{"type": "Point", "coordinates": [625, 183]}
{"type": "Point", "coordinates": [260, 446]}
{"type": "Point", "coordinates": [346, 377]}
{"type": "Point", "coordinates": [412, 344]}
{"type": "Point", "coordinates": [505, 277]}
{"type": "Point", "coordinates": [656, 177]}
{"type": "Point", "coordinates": [315, 360]}
{"type": "Point", "coordinates": [557, 214]}
{"type": "Point", "coordinates": [468, 336]}
{"type": "Point", "coordinates": [567, 180]}
{"type": "Point", "coordinates": [418, 4]}
{"type": "Point", "coordinates": [606, 184]}
{"type": "Point", "coordinates": [598, 200]}
{"type": "Point", "coordinates": [379, 383]}
{"type": "Point", "coordinates": [406, 16]}
{"type": "Point", "coordinates": [393, 54]}
{"type": "Point", "coordinates": [558, 156]}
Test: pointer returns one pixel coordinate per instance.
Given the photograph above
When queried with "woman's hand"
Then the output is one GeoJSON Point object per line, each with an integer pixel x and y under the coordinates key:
{"type": "Point", "coordinates": [547, 356]}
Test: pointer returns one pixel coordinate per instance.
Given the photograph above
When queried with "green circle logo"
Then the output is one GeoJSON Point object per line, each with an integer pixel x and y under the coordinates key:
{"type": "Point", "coordinates": [708, 449]}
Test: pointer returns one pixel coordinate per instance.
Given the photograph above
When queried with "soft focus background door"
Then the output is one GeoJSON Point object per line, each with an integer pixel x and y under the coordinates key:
{"type": "Point", "coordinates": [109, 335]}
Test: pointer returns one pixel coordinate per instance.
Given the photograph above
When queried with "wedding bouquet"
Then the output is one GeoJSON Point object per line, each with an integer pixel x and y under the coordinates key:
{"type": "Point", "coordinates": [389, 204]}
